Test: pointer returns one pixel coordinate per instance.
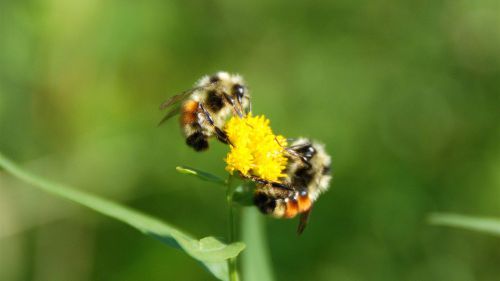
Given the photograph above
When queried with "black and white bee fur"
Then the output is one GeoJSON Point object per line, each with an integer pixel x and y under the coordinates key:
{"type": "Point", "coordinates": [308, 176]}
{"type": "Point", "coordinates": [205, 108]}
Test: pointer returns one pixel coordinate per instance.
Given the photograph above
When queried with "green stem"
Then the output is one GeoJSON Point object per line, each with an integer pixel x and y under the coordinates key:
{"type": "Point", "coordinates": [231, 263]}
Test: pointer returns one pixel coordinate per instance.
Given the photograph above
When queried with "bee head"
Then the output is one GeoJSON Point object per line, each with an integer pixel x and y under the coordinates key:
{"type": "Point", "coordinates": [238, 91]}
{"type": "Point", "coordinates": [307, 151]}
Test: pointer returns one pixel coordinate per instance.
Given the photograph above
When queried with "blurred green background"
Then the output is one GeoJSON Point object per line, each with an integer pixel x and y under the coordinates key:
{"type": "Point", "coordinates": [405, 95]}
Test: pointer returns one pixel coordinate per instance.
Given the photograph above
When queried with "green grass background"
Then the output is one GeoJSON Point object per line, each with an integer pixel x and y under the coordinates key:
{"type": "Point", "coordinates": [405, 95]}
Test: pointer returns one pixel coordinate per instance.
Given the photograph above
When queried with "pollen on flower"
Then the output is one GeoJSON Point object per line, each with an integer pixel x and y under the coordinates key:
{"type": "Point", "coordinates": [255, 150]}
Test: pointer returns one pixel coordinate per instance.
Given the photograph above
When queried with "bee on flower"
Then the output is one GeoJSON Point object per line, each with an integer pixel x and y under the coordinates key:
{"type": "Point", "coordinates": [308, 173]}
{"type": "Point", "coordinates": [289, 175]}
{"type": "Point", "coordinates": [289, 178]}
{"type": "Point", "coordinates": [205, 108]}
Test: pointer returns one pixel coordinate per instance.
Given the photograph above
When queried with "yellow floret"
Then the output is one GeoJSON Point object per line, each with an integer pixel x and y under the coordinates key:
{"type": "Point", "coordinates": [255, 149]}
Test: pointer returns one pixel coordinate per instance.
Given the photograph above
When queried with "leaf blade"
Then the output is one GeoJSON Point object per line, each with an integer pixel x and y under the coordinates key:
{"type": "Point", "coordinates": [201, 175]}
{"type": "Point", "coordinates": [210, 252]}
{"type": "Point", "coordinates": [480, 224]}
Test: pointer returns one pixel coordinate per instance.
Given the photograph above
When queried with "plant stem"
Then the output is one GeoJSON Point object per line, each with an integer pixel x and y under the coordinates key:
{"type": "Point", "coordinates": [231, 263]}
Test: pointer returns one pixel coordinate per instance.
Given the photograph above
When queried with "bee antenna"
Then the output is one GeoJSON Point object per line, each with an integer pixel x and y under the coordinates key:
{"type": "Point", "coordinates": [278, 142]}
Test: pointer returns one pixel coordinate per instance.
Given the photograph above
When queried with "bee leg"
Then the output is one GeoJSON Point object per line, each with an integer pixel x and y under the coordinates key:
{"type": "Point", "coordinates": [304, 218]}
{"type": "Point", "coordinates": [230, 101]}
{"type": "Point", "coordinates": [270, 183]}
{"type": "Point", "coordinates": [220, 134]}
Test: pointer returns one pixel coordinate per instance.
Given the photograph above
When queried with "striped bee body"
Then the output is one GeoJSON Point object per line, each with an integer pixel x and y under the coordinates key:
{"type": "Point", "coordinates": [308, 175]}
{"type": "Point", "coordinates": [206, 107]}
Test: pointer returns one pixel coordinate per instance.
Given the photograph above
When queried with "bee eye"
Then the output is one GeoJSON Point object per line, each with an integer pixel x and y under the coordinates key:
{"type": "Point", "coordinates": [307, 151]}
{"type": "Point", "coordinates": [238, 91]}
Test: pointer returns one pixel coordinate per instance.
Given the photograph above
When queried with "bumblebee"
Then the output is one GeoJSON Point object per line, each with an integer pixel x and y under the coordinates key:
{"type": "Point", "coordinates": [205, 108]}
{"type": "Point", "coordinates": [308, 175]}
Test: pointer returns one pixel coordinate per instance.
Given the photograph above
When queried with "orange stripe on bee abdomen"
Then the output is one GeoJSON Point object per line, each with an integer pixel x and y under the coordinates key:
{"type": "Point", "coordinates": [189, 112]}
{"type": "Point", "coordinates": [292, 209]}
{"type": "Point", "coordinates": [304, 203]}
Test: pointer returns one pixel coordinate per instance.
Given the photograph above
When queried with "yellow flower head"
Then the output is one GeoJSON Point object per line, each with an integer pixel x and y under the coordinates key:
{"type": "Point", "coordinates": [255, 149]}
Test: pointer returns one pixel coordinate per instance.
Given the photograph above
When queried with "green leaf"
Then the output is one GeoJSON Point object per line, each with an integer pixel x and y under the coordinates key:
{"type": "Point", "coordinates": [256, 262]}
{"type": "Point", "coordinates": [209, 251]}
{"type": "Point", "coordinates": [485, 225]}
{"type": "Point", "coordinates": [201, 175]}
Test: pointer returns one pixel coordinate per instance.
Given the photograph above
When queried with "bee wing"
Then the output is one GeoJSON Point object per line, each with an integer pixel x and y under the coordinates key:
{"type": "Point", "coordinates": [298, 146]}
{"type": "Point", "coordinates": [304, 218]}
{"type": "Point", "coordinates": [292, 151]}
{"type": "Point", "coordinates": [177, 98]}
{"type": "Point", "coordinates": [174, 111]}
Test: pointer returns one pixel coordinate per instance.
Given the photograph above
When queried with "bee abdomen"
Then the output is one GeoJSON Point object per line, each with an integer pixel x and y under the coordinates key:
{"type": "Point", "coordinates": [198, 141]}
{"type": "Point", "coordinates": [282, 207]}
{"type": "Point", "coordinates": [189, 112]}
{"type": "Point", "coordinates": [297, 205]}
{"type": "Point", "coordinates": [264, 202]}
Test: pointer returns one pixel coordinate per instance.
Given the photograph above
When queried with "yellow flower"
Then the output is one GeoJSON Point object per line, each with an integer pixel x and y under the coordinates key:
{"type": "Point", "coordinates": [255, 150]}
